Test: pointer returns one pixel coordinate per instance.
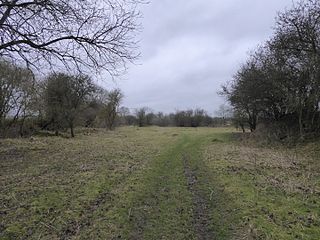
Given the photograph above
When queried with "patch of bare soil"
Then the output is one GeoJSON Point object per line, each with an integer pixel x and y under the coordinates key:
{"type": "Point", "coordinates": [200, 209]}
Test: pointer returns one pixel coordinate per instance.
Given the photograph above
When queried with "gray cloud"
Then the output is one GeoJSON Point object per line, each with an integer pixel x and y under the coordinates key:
{"type": "Point", "coordinates": [190, 48]}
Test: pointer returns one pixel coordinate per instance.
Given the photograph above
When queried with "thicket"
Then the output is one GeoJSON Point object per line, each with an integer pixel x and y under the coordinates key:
{"type": "Point", "coordinates": [56, 103]}
{"type": "Point", "coordinates": [279, 85]}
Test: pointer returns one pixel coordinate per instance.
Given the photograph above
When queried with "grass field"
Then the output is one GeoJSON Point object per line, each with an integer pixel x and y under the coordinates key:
{"type": "Point", "coordinates": [157, 183]}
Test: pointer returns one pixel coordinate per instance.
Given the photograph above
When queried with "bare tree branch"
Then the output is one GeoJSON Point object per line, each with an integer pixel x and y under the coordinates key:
{"type": "Point", "coordinates": [74, 34]}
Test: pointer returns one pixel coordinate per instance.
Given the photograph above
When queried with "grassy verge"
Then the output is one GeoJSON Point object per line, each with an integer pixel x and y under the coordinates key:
{"type": "Point", "coordinates": [264, 192]}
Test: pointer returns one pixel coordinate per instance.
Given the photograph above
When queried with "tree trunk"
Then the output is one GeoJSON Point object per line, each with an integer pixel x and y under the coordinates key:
{"type": "Point", "coordinates": [21, 126]}
{"type": "Point", "coordinates": [242, 127]}
{"type": "Point", "coordinates": [72, 130]}
{"type": "Point", "coordinates": [301, 124]}
{"type": "Point", "coordinates": [252, 125]}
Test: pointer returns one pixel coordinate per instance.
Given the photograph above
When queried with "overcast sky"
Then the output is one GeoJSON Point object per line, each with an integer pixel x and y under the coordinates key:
{"type": "Point", "coordinates": [191, 47]}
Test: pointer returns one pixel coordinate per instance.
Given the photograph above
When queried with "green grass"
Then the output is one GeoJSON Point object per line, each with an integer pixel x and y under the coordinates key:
{"type": "Point", "coordinates": [132, 184]}
{"type": "Point", "coordinates": [264, 192]}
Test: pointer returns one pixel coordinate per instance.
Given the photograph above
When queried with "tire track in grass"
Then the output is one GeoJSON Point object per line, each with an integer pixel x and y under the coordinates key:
{"type": "Point", "coordinates": [160, 205]}
{"type": "Point", "coordinates": [201, 219]}
{"type": "Point", "coordinates": [171, 204]}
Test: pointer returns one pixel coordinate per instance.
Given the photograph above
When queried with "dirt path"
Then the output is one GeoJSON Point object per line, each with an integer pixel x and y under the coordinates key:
{"type": "Point", "coordinates": [200, 210]}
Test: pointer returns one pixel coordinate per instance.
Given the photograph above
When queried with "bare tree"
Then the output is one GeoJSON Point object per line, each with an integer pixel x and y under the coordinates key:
{"type": "Point", "coordinates": [65, 95]}
{"type": "Point", "coordinates": [297, 38]}
{"type": "Point", "coordinates": [280, 82]}
{"type": "Point", "coordinates": [76, 34]}
{"type": "Point", "coordinates": [124, 112]}
{"type": "Point", "coordinates": [16, 87]}
{"type": "Point", "coordinates": [183, 118]}
{"type": "Point", "coordinates": [240, 119]}
{"type": "Point", "coordinates": [111, 107]}
{"type": "Point", "coordinates": [141, 115]}
{"type": "Point", "coordinates": [224, 112]}
{"type": "Point", "coordinates": [199, 117]}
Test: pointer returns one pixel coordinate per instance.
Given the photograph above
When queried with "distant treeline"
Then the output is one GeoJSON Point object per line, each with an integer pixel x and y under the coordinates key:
{"type": "Point", "coordinates": [279, 85]}
{"type": "Point", "coordinates": [143, 117]}
{"type": "Point", "coordinates": [63, 101]}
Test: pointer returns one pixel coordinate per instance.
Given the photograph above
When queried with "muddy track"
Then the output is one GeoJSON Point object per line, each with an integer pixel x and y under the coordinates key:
{"type": "Point", "coordinates": [200, 210]}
